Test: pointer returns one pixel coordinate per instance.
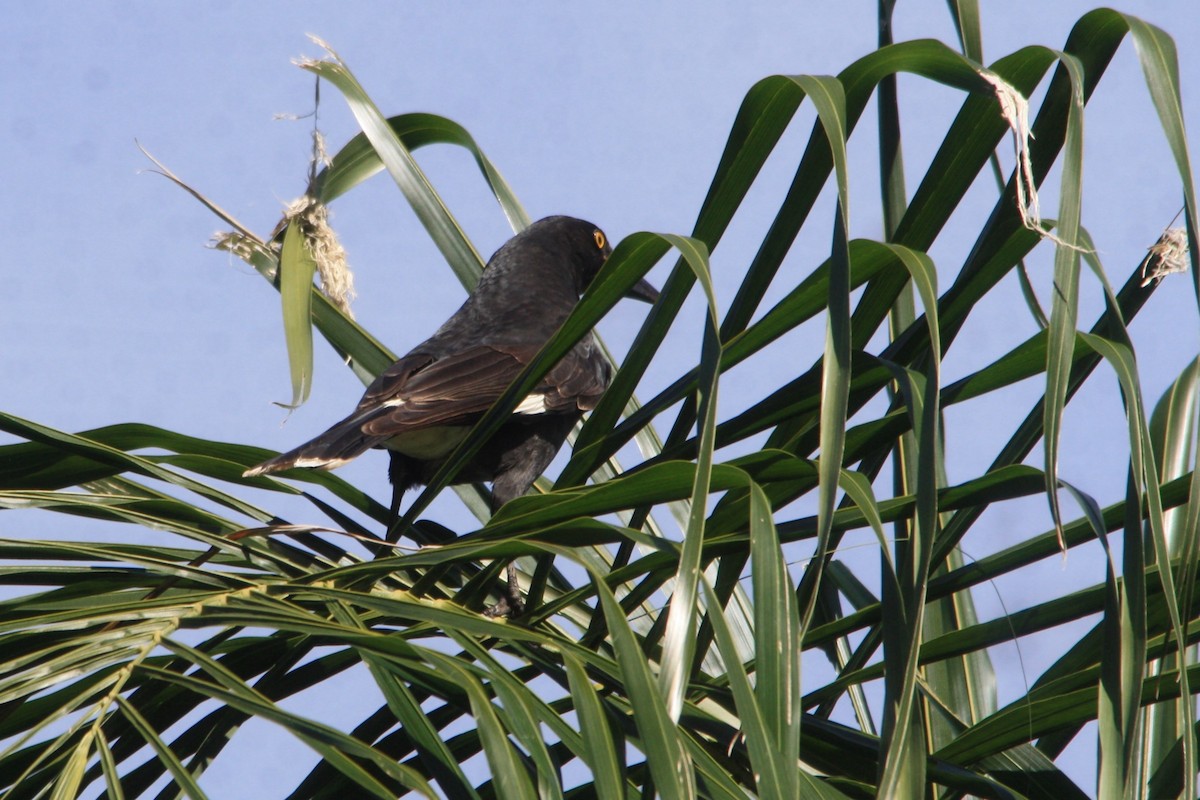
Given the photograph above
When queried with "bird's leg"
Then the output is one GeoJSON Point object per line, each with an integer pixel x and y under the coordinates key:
{"type": "Point", "coordinates": [393, 532]}
{"type": "Point", "coordinates": [511, 604]}
{"type": "Point", "coordinates": [400, 475]}
{"type": "Point", "coordinates": [512, 590]}
{"type": "Point", "coordinates": [510, 483]}
{"type": "Point", "coordinates": [527, 453]}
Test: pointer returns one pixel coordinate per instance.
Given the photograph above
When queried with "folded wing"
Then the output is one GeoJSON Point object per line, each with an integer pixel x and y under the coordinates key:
{"type": "Point", "coordinates": [421, 391]}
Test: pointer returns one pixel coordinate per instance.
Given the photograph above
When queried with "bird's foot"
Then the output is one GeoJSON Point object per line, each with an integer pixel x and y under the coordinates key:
{"type": "Point", "coordinates": [510, 606]}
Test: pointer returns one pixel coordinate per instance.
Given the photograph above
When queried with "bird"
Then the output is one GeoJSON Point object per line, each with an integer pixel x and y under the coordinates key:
{"type": "Point", "coordinates": [422, 406]}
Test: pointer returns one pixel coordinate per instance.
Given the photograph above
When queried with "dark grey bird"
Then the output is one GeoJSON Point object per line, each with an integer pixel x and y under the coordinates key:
{"type": "Point", "coordinates": [423, 406]}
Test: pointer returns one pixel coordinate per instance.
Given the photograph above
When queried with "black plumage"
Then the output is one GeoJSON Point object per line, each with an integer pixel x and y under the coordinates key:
{"type": "Point", "coordinates": [422, 406]}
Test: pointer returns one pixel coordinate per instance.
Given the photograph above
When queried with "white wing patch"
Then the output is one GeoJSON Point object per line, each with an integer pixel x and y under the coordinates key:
{"type": "Point", "coordinates": [431, 444]}
{"type": "Point", "coordinates": [322, 463]}
{"type": "Point", "coordinates": [308, 463]}
{"type": "Point", "coordinates": [533, 404]}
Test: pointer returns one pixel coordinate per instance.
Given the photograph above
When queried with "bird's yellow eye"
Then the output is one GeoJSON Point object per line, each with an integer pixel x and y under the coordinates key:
{"type": "Point", "coordinates": [599, 237]}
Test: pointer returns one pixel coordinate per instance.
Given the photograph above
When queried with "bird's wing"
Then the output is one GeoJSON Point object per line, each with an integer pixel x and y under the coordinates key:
{"type": "Point", "coordinates": [457, 388]}
{"type": "Point", "coordinates": [422, 391]}
{"type": "Point", "coordinates": [576, 383]}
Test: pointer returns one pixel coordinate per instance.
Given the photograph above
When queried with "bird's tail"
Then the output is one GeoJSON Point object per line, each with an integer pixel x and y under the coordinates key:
{"type": "Point", "coordinates": [330, 450]}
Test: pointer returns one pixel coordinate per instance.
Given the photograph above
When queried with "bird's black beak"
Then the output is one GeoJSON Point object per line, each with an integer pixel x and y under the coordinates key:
{"type": "Point", "coordinates": [642, 290]}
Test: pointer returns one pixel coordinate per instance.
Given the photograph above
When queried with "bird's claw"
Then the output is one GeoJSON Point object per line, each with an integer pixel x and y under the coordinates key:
{"type": "Point", "coordinates": [511, 604]}
{"type": "Point", "coordinates": [507, 607]}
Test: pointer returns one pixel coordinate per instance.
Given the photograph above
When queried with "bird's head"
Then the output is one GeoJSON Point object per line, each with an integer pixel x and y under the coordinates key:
{"type": "Point", "coordinates": [589, 248]}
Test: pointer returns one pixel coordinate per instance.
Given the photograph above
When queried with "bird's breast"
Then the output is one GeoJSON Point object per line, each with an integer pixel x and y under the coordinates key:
{"type": "Point", "coordinates": [428, 444]}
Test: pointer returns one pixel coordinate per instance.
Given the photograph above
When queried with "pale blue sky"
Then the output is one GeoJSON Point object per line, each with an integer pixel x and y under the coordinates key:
{"type": "Point", "coordinates": [114, 311]}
